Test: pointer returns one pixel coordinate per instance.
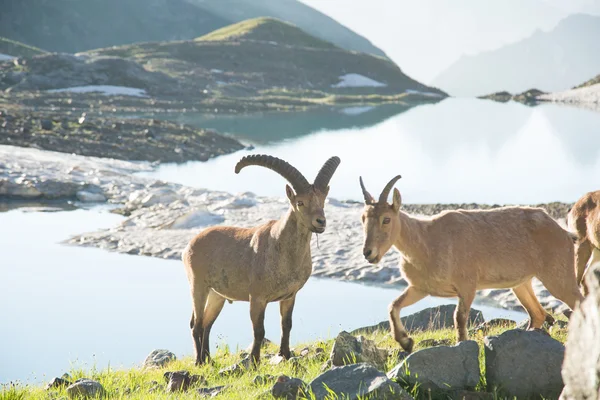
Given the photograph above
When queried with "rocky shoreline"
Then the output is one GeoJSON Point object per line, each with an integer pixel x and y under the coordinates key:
{"type": "Point", "coordinates": [162, 217]}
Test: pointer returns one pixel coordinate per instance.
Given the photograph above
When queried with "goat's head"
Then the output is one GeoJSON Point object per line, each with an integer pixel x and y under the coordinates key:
{"type": "Point", "coordinates": [307, 200]}
{"type": "Point", "coordinates": [380, 221]}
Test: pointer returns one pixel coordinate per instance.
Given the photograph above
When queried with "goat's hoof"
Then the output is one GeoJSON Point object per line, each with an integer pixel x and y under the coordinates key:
{"type": "Point", "coordinates": [550, 319]}
{"type": "Point", "coordinates": [285, 354]}
{"type": "Point", "coordinates": [407, 344]}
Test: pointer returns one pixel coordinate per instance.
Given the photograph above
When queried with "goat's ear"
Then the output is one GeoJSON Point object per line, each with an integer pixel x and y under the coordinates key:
{"type": "Point", "coordinates": [397, 200]}
{"type": "Point", "coordinates": [290, 193]}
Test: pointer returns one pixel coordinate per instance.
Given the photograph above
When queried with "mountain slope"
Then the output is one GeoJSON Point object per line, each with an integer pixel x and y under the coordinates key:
{"type": "Point", "coordinates": [73, 26]}
{"type": "Point", "coordinates": [266, 56]}
{"type": "Point", "coordinates": [12, 48]}
{"type": "Point", "coordinates": [550, 61]}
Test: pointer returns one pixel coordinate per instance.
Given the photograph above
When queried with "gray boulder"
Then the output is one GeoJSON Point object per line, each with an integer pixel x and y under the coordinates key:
{"type": "Point", "coordinates": [349, 350]}
{"type": "Point", "coordinates": [357, 381]}
{"type": "Point", "coordinates": [287, 388]}
{"type": "Point", "coordinates": [85, 389]}
{"type": "Point", "coordinates": [159, 358]}
{"type": "Point", "coordinates": [524, 363]}
{"type": "Point", "coordinates": [441, 367]}
{"type": "Point", "coordinates": [211, 391]}
{"type": "Point", "coordinates": [581, 367]}
{"type": "Point", "coordinates": [430, 318]}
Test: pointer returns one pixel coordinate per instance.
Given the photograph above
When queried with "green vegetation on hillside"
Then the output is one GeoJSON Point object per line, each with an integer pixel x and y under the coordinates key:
{"type": "Point", "coordinates": [593, 81]}
{"type": "Point", "coordinates": [17, 49]}
{"type": "Point", "coordinates": [141, 384]}
{"type": "Point", "coordinates": [267, 30]}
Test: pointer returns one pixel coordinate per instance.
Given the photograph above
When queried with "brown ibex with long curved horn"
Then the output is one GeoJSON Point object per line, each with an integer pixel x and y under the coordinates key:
{"type": "Point", "coordinates": [584, 219]}
{"type": "Point", "coordinates": [263, 264]}
{"type": "Point", "coordinates": [456, 253]}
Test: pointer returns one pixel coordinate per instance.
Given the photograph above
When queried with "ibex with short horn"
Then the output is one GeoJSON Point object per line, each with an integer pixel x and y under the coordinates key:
{"type": "Point", "coordinates": [263, 264]}
{"type": "Point", "coordinates": [456, 253]}
{"type": "Point", "coordinates": [584, 219]}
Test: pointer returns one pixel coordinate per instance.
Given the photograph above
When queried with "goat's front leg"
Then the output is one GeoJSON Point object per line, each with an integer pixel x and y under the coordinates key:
{"type": "Point", "coordinates": [461, 314]}
{"type": "Point", "coordinates": [257, 315]}
{"type": "Point", "coordinates": [286, 307]}
{"type": "Point", "coordinates": [410, 296]}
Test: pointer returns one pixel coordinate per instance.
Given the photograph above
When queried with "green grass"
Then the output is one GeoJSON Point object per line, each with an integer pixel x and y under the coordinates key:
{"type": "Point", "coordinates": [17, 49]}
{"type": "Point", "coordinates": [137, 383]}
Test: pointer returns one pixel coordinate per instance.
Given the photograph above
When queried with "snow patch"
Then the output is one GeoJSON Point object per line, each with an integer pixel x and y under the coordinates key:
{"type": "Point", "coordinates": [428, 94]}
{"type": "Point", "coordinates": [6, 57]}
{"type": "Point", "coordinates": [357, 80]}
{"type": "Point", "coordinates": [589, 94]}
{"type": "Point", "coordinates": [108, 90]}
{"type": "Point", "coordinates": [356, 110]}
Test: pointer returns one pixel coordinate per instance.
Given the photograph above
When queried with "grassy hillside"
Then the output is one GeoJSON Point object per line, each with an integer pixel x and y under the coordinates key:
{"type": "Point", "coordinates": [593, 81]}
{"type": "Point", "coordinates": [16, 49]}
{"type": "Point", "coordinates": [550, 61]}
{"type": "Point", "coordinates": [265, 57]}
{"type": "Point", "coordinates": [74, 26]}
{"type": "Point", "coordinates": [142, 384]}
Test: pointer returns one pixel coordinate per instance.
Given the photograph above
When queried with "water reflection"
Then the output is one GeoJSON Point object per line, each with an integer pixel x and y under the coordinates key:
{"type": "Point", "coordinates": [459, 150]}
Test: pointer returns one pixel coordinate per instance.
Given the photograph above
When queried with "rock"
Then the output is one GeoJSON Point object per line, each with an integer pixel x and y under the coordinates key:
{"type": "Point", "coordinates": [524, 363]}
{"type": "Point", "coordinates": [89, 197]}
{"type": "Point", "coordinates": [46, 124]}
{"type": "Point", "coordinates": [287, 388]}
{"type": "Point", "coordinates": [244, 200]}
{"type": "Point", "coordinates": [349, 350]}
{"type": "Point", "coordinates": [159, 358]}
{"type": "Point", "coordinates": [304, 352]}
{"type": "Point", "coordinates": [85, 389]}
{"type": "Point", "coordinates": [236, 369]}
{"type": "Point", "coordinates": [430, 318]}
{"type": "Point", "coordinates": [581, 367]}
{"type": "Point", "coordinates": [196, 219]}
{"type": "Point", "coordinates": [441, 367]}
{"type": "Point", "coordinates": [357, 381]}
{"type": "Point", "coordinates": [264, 344]}
{"type": "Point", "coordinates": [211, 392]}
{"type": "Point", "coordinates": [57, 383]}
{"type": "Point", "coordinates": [260, 380]}
{"type": "Point", "coordinates": [181, 380]}
{"type": "Point", "coordinates": [160, 196]}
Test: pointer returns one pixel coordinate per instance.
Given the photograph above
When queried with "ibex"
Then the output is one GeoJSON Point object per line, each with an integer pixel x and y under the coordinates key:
{"type": "Point", "coordinates": [263, 264]}
{"type": "Point", "coordinates": [456, 253]}
{"type": "Point", "coordinates": [584, 219]}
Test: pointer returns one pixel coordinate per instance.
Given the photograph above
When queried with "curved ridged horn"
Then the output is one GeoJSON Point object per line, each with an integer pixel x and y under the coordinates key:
{"type": "Point", "coordinates": [326, 172]}
{"type": "Point", "coordinates": [283, 168]}
{"type": "Point", "coordinates": [368, 198]}
{"type": "Point", "coordinates": [386, 190]}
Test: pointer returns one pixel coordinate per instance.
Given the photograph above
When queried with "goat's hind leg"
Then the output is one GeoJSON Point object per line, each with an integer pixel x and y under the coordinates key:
{"type": "Point", "coordinates": [286, 308]}
{"type": "Point", "coordinates": [199, 296]}
{"type": "Point", "coordinates": [461, 314]}
{"type": "Point", "coordinates": [410, 296]}
{"type": "Point", "coordinates": [527, 298]}
{"type": "Point", "coordinates": [213, 308]}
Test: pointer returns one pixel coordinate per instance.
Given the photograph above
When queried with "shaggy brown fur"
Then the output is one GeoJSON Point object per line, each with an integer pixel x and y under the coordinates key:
{"type": "Point", "coordinates": [456, 253]}
{"type": "Point", "coordinates": [584, 219]}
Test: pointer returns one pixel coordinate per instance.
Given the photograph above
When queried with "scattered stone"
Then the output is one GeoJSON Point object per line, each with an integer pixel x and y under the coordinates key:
{"type": "Point", "coordinates": [85, 389]}
{"type": "Point", "coordinates": [196, 219]}
{"type": "Point", "coordinates": [238, 368]}
{"type": "Point", "coordinates": [349, 350]}
{"type": "Point", "coordinates": [439, 317]}
{"type": "Point", "coordinates": [276, 360]}
{"type": "Point", "coordinates": [264, 344]}
{"type": "Point", "coordinates": [57, 383]}
{"type": "Point", "coordinates": [287, 388]}
{"type": "Point", "coordinates": [89, 197]}
{"type": "Point", "coordinates": [441, 367]}
{"type": "Point", "coordinates": [46, 124]}
{"type": "Point", "coordinates": [159, 358]}
{"type": "Point", "coordinates": [211, 392]}
{"type": "Point", "coordinates": [178, 381]}
{"type": "Point", "coordinates": [304, 352]}
{"type": "Point", "coordinates": [524, 363]}
{"type": "Point", "coordinates": [581, 367]}
{"type": "Point", "coordinates": [260, 380]}
{"type": "Point", "coordinates": [357, 381]}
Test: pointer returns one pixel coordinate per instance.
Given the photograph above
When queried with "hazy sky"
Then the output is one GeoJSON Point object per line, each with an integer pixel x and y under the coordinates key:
{"type": "Point", "coordinates": [425, 36]}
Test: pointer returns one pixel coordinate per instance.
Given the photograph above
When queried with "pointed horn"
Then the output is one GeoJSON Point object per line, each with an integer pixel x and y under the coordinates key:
{"type": "Point", "coordinates": [386, 190]}
{"type": "Point", "coordinates": [368, 198]}
{"type": "Point", "coordinates": [283, 168]}
{"type": "Point", "coordinates": [326, 172]}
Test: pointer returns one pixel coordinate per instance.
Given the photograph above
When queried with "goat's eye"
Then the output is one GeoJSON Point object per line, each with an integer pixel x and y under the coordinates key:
{"type": "Point", "coordinates": [386, 220]}
{"type": "Point", "coordinates": [300, 203]}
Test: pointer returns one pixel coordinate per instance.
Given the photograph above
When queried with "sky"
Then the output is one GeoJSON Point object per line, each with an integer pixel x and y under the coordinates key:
{"type": "Point", "coordinates": [424, 37]}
